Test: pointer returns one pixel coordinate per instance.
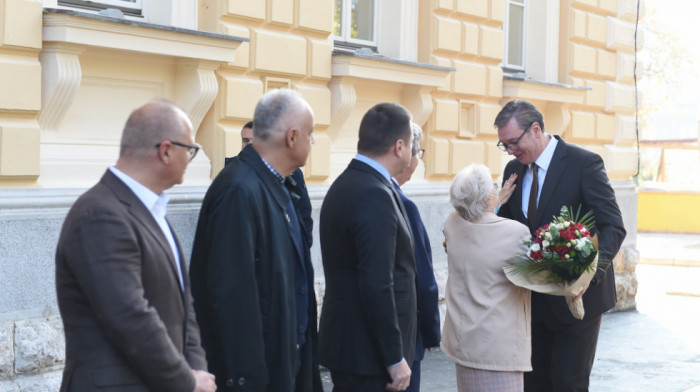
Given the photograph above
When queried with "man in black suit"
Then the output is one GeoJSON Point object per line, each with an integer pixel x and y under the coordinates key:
{"type": "Point", "coordinates": [121, 277]}
{"type": "Point", "coordinates": [368, 321]}
{"type": "Point", "coordinates": [252, 277]}
{"type": "Point", "coordinates": [551, 174]}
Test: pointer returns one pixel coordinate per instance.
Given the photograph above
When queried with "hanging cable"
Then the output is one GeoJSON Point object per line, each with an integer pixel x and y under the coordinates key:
{"type": "Point", "coordinates": [636, 94]}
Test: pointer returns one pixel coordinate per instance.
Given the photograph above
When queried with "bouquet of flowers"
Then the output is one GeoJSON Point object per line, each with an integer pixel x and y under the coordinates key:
{"type": "Point", "coordinates": [561, 260]}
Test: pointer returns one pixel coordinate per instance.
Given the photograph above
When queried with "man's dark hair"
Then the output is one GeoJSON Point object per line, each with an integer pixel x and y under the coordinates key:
{"type": "Point", "coordinates": [524, 112]}
{"type": "Point", "coordinates": [249, 124]}
{"type": "Point", "coordinates": [381, 127]}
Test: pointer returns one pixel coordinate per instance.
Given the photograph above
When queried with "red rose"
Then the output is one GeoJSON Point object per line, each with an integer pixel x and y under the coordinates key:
{"type": "Point", "coordinates": [566, 235]}
{"type": "Point", "coordinates": [562, 250]}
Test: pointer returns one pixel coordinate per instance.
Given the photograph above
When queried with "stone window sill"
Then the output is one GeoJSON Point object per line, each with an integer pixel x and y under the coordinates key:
{"type": "Point", "coordinates": [86, 29]}
{"type": "Point", "coordinates": [529, 89]}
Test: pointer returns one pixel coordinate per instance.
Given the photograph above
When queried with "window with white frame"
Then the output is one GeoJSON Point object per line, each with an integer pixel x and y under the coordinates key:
{"type": "Point", "coordinates": [175, 13]}
{"type": "Point", "coordinates": [532, 39]}
{"type": "Point", "coordinates": [132, 7]}
{"type": "Point", "coordinates": [515, 36]}
{"type": "Point", "coordinates": [355, 22]}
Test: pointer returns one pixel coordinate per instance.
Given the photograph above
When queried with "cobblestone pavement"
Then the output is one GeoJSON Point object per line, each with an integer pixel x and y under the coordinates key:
{"type": "Point", "coordinates": [654, 348]}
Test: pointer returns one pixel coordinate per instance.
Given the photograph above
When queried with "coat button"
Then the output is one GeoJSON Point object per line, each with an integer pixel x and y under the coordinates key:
{"type": "Point", "coordinates": [229, 383]}
{"type": "Point", "coordinates": [241, 381]}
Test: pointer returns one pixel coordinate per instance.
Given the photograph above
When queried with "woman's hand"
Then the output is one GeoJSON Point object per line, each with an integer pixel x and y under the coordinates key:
{"type": "Point", "coordinates": [507, 189]}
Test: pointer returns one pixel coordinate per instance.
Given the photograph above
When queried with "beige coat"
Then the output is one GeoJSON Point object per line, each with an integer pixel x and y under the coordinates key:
{"type": "Point", "coordinates": [487, 325]}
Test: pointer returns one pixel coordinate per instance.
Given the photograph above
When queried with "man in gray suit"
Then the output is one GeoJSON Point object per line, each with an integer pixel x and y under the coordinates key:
{"type": "Point", "coordinates": [121, 280]}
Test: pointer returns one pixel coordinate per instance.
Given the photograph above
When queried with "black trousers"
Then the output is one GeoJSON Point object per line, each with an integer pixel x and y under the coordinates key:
{"type": "Point", "coordinates": [343, 382]}
{"type": "Point", "coordinates": [562, 353]}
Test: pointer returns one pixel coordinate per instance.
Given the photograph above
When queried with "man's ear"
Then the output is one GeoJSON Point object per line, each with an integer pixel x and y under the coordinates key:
{"type": "Point", "coordinates": [534, 127]}
{"type": "Point", "coordinates": [291, 137]}
{"type": "Point", "coordinates": [164, 151]}
{"type": "Point", "coordinates": [397, 147]}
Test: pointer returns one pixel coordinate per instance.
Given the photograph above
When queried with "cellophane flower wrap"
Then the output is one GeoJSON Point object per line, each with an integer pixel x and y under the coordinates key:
{"type": "Point", "coordinates": [561, 260]}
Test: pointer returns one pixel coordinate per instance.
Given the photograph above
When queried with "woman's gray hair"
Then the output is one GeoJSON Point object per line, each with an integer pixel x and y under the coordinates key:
{"type": "Point", "coordinates": [417, 135]}
{"type": "Point", "coordinates": [470, 191]}
{"type": "Point", "coordinates": [270, 110]}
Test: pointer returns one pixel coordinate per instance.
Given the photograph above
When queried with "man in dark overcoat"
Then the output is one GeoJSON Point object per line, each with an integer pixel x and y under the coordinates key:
{"type": "Point", "coordinates": [251, 272]}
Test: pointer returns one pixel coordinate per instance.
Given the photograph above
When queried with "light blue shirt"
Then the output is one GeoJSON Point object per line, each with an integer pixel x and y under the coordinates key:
{"type": "Point", "coordinates": [542, 162]}
{"type": "Point", "coordinates": [157, 206]}
{"type": "Point", "coordinates": [375, 165]}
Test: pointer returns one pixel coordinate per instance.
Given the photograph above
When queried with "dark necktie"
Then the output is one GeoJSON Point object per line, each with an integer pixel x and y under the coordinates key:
{"type": "Point", "coordinates": [532, 205]}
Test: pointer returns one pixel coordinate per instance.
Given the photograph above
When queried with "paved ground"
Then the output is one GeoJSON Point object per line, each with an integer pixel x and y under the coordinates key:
{"type": "Point", "coordinates": [655, 348]}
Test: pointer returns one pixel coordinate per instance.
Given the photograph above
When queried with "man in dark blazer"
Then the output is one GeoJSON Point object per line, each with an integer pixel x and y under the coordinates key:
{"type": "Point", "coordinates": [251, 271]}
{"type": "Point", "coordinates": [368, 321]}
{"type": "Point", "coordinates": [121, 278]}
{"type": "Point", "coordinates": [428, 332]}
{"type": "Point", "coordinates": [563, 348]}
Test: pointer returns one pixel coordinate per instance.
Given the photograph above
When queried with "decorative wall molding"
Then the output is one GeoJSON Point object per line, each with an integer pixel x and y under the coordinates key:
{"type": "Point", "coordinates": [60, 81]}
{"type": "Point", "coordinates": [196, 88]}
{"type": "Point", "coordinates": [343, 100]}
{"type": "Point", "coordinates": [417, 82]}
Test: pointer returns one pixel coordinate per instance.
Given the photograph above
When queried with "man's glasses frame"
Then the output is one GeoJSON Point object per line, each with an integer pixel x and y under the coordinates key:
{"type": "Point", "coordinates": [191, 148]}
{"type": "Point", "coordinates": [514, 146]}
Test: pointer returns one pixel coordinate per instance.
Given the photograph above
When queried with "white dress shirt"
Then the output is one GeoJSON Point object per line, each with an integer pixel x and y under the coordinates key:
{"type": "Point", "coordinates": [542, 162]}
{"type": "Point", "coordinates": [157, 206]}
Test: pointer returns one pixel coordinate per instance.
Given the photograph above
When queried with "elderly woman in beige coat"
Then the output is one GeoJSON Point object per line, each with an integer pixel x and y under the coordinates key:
{"type": "Point", "coordinates": [487, 325]}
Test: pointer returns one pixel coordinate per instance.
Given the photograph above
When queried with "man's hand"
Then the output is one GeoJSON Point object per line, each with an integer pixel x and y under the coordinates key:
{"type": "Point", "coordinates": [400, 376]}
{"type": "Point", "coordinates": [204, 381]}
{"type": "Point", "coordinates": [444, 243]}
{"type": "Point", "coordinates": [582, 292]}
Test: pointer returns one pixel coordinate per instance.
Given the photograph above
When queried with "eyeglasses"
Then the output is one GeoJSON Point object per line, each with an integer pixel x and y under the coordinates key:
{"type": "Point", "coordinates": [420, 152]}
{"type": "Point", "coordinates": [191, 149]}
{"type": "Point", "coordinates": [513, 146]}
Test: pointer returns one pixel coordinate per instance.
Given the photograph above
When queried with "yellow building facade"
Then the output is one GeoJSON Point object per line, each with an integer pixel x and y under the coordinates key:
{"type": "Point", "coordinates": [71, 71]}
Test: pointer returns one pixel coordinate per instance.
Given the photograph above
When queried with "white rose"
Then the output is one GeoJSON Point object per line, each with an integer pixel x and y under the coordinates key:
{"type": "Point", "coordinates": [545, 243]}
{"type": "Point", "coordinates": [535, 247]}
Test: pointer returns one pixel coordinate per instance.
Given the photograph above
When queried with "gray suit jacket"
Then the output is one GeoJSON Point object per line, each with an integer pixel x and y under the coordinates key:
{"type": "Point", "coordinates": [128, 325]}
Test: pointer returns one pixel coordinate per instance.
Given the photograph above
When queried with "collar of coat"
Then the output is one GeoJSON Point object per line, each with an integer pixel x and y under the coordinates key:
{"type": "Point", "coordinates": [251, 158]}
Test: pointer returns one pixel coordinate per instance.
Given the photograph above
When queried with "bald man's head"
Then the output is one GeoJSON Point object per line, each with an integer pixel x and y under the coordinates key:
{"type": "Point", "coordinates": [149, 125]}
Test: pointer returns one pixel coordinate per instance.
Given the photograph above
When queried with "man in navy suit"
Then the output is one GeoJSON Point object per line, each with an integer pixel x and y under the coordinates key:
{"type": "Point", "coordinates": [368, 321]}
{"type": "Point", "coordinates": [428, 332]}
{"type": "Point", "coordinates": [552, 174]}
